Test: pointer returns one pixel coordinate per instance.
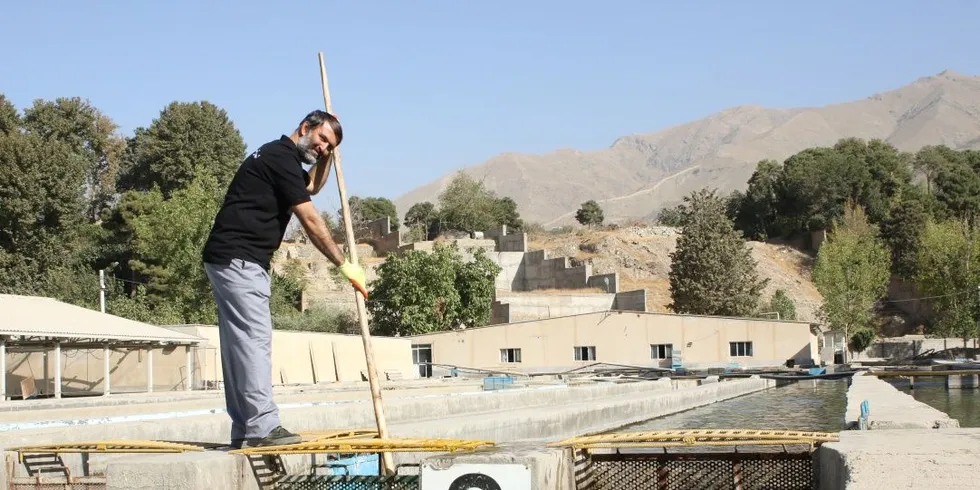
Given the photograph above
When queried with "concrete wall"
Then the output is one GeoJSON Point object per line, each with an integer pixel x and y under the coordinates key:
{"type": "Point", "coordinates": [82, 371]}
{"type": "Point", "coordinates": [379, 234]}
{"type": "Point", "coordinates": [631, 300]}
{"type": "Point", "coordinates": [541, 272]}
{"type": "Point", "coordinates": [606, 282]}
{"type": "Point", "coordinates": [511, 276]}
{"type": "Point", "coordinates": [625, 338]}
{"type": "Point", "coordinates": [909, 346]}
{"type": "Point", "coordinates": [306, 357]}
{"type": "Point", "coordinates": [516, 242]}
{"type": "Point", "coordinates": [538, 306]}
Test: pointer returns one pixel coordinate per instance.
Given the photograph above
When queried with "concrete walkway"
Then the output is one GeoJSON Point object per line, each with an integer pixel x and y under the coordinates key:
{"type": "Point", "coordinates": [890, 408]}
{"type": "Point", "coordinates": [541, 414]}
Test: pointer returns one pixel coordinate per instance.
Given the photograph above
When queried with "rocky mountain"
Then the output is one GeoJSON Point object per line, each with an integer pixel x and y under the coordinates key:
{"type": "Point", "coordinates": [640, 174]}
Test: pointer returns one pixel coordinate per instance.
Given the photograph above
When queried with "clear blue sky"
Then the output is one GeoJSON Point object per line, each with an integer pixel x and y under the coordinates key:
{"type": "Point", "coordinates": [425, 87]}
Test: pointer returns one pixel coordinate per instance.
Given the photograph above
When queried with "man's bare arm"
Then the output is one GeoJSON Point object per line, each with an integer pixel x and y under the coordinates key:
{"type": "Point", "coordinates": [317, 230]}
{"type": "Point", "coordinates": [319, 173]}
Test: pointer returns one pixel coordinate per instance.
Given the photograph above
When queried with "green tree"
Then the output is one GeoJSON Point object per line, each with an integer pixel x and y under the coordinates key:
{"type": "Point", "coordinates": [957, 186]}
{"type": "Point", "coordinates": [420, 218]}
{"type": "Point", "coordinates": [903, 228]}
{"type": "Point", "coordinates": [167, 242]}
{"type": "Point", "coordinates": [672, 216]}
{"type": "Point", "coordinates": [420, 292]}
{"type": "Point", "coordinates": [712, 271]}
{"type": "Point", "coordinates": [590, 214]}
{"type": "Point", "coordinates": [41, 209]}
{"type": "Point", "coordinates": [852, 272]}
{"type": "Point", "coordinates": [367, 209]}
{"type": "Point", "coordinates": [90, 134]}
{"type": "Point", "coordinates": [9, 118]}
{"type": "Point", "coordinates": [757, 210]}
{"type": "Point", "coordinates": [784, 305]}
{"type": "Point", "coordinates": [507, 214]}
{"type": "Point", "coordinates": [467, 205]}
{"type": "Point", "coordinates": [948, 270]}
{"type": "Point", "coordinates": [817, 182]}
{"type": "Point", "coordinates": [188, 140]}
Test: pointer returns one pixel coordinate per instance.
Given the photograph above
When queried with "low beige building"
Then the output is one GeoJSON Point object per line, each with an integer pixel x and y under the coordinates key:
{"type": "Point", "coordinates": [620, 337]}
{"type": "Point", "coordinates": [311, 357]}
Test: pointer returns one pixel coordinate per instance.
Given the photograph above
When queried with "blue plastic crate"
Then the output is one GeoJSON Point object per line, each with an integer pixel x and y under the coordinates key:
{"type": "Point", "coordinates": [491, 383]}
{"type": "Point", "coordinates": [366, 464]}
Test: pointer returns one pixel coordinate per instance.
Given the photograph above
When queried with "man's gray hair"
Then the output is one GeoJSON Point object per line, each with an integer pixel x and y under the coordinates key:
{"type": "Point", "coordinates": [318, 117]}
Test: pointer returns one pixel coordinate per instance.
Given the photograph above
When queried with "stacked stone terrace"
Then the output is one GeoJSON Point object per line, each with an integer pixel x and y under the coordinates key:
{"type": "Point", "coordinates": [530, 285]}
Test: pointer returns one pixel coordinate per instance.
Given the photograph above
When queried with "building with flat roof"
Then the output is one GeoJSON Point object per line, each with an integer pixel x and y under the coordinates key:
{"type": "Point", "coordinates": [49, 346]}
{"type": "Point", "coordinates": [631, 338]}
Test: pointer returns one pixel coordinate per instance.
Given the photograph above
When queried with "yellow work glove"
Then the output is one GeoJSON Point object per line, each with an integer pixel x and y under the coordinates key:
{"type": "Point", "coordinates": [355, 274]}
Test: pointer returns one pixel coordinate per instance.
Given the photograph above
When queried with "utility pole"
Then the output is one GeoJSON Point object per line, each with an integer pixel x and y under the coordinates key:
{"type": "Point", "coordinates": [102, 290]}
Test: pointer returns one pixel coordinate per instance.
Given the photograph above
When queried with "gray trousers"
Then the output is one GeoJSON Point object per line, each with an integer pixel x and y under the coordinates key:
{"type": "Point", "coordinates": [241, 291]}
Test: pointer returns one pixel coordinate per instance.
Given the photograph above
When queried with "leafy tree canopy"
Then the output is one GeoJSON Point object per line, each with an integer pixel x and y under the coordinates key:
{"type": "Point", "coordinates": [712, 270]}
{"type": "Point", "coordinates": [851, 272]}
{"type": "Point", "coordinates": [420, 292]}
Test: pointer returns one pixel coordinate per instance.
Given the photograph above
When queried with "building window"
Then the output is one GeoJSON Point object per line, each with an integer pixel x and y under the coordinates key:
{"type": "Point", "coordinates": [661, 351]}
{"type": "Point", "coordinates": [510, 355]}
{"type": "Point", "coordinates": [740, 349]}
{"type": "Point", "coordinates": [585, 353]}
{"type": "Point", "coordinates": [422, 358]}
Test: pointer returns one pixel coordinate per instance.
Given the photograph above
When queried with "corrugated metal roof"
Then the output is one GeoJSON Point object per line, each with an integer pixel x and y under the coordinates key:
{"type": "Point", "coordinates": [46, 317]}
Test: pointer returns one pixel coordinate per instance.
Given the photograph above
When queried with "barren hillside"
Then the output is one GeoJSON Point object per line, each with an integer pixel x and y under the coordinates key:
{"type": "Point", "coordinates": [642, 258]}
{"type": "Point", "coordinates": [640, 174]}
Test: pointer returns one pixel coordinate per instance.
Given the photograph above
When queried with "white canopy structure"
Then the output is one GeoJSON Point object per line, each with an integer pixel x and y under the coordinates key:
{"type": "Point", "coordinates": [32, 323]}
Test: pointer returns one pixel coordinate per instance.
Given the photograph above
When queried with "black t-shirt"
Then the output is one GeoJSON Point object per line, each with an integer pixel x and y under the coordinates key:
{"type": "Point", "coordinates": [256, 210]}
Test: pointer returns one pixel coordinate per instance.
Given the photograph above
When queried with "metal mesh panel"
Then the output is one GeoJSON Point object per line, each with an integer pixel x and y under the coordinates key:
{"type": "Point", "coordinates": [778, 473]}
{"type": "Point", "coordinates": [354, 482]}
{"type": "Point", "coordinates": [695, 471]}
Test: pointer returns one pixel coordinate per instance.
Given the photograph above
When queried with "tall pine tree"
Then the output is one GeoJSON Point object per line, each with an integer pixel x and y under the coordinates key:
{"type": "Point", "coordinates": [712, 271]}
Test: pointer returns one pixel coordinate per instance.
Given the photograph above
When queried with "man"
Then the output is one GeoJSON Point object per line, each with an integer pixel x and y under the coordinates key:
{"type": "Point", "coordinates": [269, 187]}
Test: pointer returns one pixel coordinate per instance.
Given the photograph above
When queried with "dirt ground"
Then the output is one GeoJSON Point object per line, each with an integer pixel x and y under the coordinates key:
{"type": "Point", "coordinates": [641, 255]}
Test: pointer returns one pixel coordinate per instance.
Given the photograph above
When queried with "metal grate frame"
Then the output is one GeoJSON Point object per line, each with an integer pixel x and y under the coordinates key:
{"type": "Point", "coordinates": [354, 482]}
{"type": "Point", "coordinates": [696, 471]}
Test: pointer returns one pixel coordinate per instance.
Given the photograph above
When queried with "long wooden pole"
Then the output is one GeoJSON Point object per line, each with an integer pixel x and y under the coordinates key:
{"type": "Point", "coordinates": [388, 465]}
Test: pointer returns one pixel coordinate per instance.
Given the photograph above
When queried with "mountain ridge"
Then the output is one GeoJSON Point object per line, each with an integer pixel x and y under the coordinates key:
{"type": "Point", "coordinates": [640, 173]}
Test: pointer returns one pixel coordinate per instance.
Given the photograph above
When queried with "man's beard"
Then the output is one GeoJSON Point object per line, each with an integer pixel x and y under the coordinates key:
{"type": "Point", "coordinates": [306, 148]}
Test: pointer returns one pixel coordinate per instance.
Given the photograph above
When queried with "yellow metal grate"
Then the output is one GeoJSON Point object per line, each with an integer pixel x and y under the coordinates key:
{"type": "Point", "coordinates": [700, 437]}
{"type": "Point", "coordinates": [105, 447]}
{"type": "Point", "coordinates": [337, 434]}
{"type": "Point", "coordinates": [356, 445]}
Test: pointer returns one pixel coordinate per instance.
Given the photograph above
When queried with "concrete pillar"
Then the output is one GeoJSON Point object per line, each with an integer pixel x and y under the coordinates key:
{"type": "Point", "coordinates": [190, 367]}
{"type": "Point", "coordinates": [958, 381]}
{"type": "Point", "coordinates": [149, 370]}
{"type": "Point", "coordinates": [106, 372]}
{"type": "Point", "coordinates": [57, 369]}
{"type": "Point", "coordinates": [213, 470]}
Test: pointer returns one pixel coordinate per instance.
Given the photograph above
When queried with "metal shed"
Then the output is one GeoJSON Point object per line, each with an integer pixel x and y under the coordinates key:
{"type": "Point", "coordinates": [40, 324]}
